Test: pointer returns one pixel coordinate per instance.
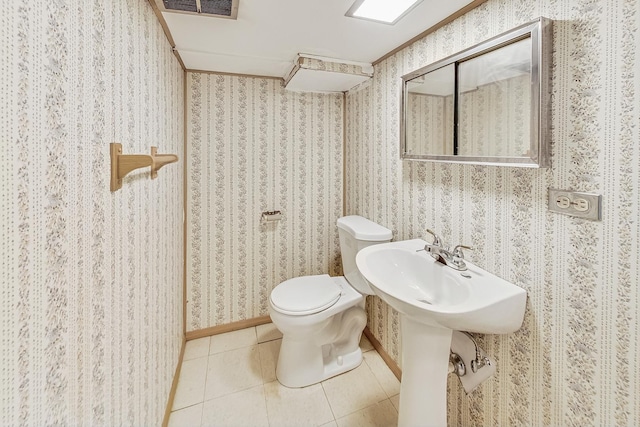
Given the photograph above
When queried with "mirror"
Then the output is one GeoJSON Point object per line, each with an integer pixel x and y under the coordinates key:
{"type": "Point", "coordinates": [485, 105]}
{"type": "Point", "coordinates": [429, 118]}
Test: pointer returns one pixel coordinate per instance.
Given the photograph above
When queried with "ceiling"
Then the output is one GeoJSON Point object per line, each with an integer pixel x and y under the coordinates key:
{"type": "Point", "coordinates": [268, 34]}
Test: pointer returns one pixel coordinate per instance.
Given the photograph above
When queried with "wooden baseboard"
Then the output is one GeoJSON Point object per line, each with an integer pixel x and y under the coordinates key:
{"type": "Point", "coordinates": [385, 356]}
{"type": "Point", "coordinates": [229, 327]}
{"type": "Point", "coordinates": [174, 385]}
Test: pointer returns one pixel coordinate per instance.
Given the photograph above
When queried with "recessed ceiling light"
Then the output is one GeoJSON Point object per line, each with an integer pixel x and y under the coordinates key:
{"type": "Point", "coordinates": [385, 11]}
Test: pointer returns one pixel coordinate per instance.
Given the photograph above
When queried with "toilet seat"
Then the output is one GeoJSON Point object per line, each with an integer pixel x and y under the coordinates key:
{"type": "Point", "coordinates": [305, 295]}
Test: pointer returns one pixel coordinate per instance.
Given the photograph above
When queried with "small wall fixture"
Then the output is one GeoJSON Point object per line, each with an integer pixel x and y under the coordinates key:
{"type": "Point", "coordinates": [270, 216]}
{"type": "Point", "coordinates": [123, 164]}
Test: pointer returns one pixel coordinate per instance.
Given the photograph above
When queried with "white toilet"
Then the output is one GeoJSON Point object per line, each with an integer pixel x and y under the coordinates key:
{"type": "Point", "coordinates": [321, 318]}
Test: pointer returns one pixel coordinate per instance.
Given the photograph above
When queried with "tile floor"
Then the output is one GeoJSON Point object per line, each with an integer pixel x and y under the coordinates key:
{"type": "Point", "coordinates": [229, 380]}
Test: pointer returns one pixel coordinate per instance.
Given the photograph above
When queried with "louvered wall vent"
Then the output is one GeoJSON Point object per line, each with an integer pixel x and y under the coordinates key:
{"type": "Point", "coordinates": [217, 8]}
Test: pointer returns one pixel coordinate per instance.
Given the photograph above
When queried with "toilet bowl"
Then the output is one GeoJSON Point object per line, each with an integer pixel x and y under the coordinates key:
{"type": "Point", "coordinates": [321, 317]}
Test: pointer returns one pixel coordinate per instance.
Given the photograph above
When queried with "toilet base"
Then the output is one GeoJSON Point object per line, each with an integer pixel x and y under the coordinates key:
{"type": "Point", "coordinates": [322, 351]}
{"type": "Point", "coordinates": [321, 345]}
{"type": "Point", "coordinates": [341, 364]}
{"type": "Point", "coordinates": [330, 368]}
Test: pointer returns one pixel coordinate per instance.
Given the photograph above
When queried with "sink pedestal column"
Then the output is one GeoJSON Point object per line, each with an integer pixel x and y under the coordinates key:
{"type": "Point", "coordinates": [425, 363]}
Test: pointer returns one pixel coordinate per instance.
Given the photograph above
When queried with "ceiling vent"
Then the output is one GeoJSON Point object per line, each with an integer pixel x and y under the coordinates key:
{"type": "Point", "coordinates": [311, 73]}
{"type": "Point", "coordinates": [217, 8]}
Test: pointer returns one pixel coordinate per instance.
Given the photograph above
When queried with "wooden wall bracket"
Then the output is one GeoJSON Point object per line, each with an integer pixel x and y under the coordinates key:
{"type": "Point", "coordinates": [123, 164]}
{"type": "Point", "coordinates": [160, 160]}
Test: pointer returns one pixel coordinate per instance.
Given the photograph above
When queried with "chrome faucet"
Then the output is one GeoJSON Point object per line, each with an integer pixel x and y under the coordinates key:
{"type": "Point", "coordinates": [453, 259]}
{"type": "Point", "coordinates": [436, 250]}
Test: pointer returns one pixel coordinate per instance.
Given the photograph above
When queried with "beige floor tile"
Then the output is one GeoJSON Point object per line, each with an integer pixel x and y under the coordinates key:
{"type": "Point", "coordinates": [191, 384]}
{"type": "Point", "coordinates": [233, 340]}
{"type": "Point", "coordinates": [186, 417]}
{"type": "Point", "coordinates": [383, 374]}
{"type": "Point", "coordinates": [353, 390]}
{"type": "Point", "coordinates": [296, 407]}
{"type": "Point", "coordinates": [269, 352]}
{"type": "Point", "coordinates": [233, 371]}
{"type": "Point", "coordinates": [382, 414]}
{"type": "Point", "coordinates": [230, 381]}
{"type": "Point", "coordinates": [395, 400]}
{"type": "Point", "coordinates": [365, 344]}
{"type": "Point", "coordinates": [267, 332]}
{"type": "Point", "coordinates": [245, 408]}
{"type": "Point", "coordinates": [196, 348]}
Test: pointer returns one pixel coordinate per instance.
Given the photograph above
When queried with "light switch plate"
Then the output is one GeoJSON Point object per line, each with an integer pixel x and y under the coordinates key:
{"type": "Point", "coordinates": [574, 203]}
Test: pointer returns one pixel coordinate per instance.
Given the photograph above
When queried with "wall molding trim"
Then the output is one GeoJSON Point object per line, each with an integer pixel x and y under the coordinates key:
{"type": "Point", "coordinates": [185, 188]}
{"type": "Point", "coordinates": [174, 384]}
{"type": "Point", "coordinates": [229, 327]}
{"type": "Point", "coordinates": [383, 353]}
{"type": "Point", "coordinates": [167, 33]}
{"type": "Point", "coordinates": [222, 73]}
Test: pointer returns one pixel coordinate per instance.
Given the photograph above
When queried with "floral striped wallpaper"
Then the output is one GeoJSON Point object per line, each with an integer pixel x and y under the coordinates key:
{"type": "Point", "coordinates": [496, 119]}
{"type": "Point", "coordinates": [253, 147]}
{"type": "Point", "coordinates": [90, 281]}
{"type": "Point", "coordinates": [428, 133]}
{"type": "Point", "coordinates": [576, 359]}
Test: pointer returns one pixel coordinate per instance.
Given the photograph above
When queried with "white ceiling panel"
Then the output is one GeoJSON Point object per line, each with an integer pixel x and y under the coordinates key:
{"type": "Point", "coordinates": [268, 34]}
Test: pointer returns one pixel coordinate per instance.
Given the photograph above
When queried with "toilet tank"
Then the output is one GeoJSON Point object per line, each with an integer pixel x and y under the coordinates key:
{"type": "Point", "coordinates": [357, 233]}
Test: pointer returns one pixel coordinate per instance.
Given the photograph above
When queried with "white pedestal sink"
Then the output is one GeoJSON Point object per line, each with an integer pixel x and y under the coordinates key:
{"type": "Point", "coordinates": [433, 300]}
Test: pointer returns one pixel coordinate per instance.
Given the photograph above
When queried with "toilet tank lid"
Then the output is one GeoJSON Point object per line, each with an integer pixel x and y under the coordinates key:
{"type": "Point", "coordinates": [363, 229]}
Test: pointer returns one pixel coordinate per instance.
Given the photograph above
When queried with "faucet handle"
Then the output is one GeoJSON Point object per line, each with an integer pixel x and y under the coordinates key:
{"type": "Point", "coordinates": [457, 251]}
{"type": "Point", "coordinates": [436, 239]}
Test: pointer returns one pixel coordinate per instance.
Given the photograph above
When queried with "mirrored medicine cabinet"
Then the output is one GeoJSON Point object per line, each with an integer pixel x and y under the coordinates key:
{"type": "Point", "coordinates": [488, 104]}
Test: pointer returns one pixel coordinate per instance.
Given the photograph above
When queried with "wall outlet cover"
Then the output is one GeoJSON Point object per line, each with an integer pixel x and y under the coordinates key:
{"type": "Point", "coordinates": [577, 204]}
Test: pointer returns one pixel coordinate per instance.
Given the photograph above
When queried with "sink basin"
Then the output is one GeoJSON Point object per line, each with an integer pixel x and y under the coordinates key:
{"type": "Point", "coordinates": [433, 300]}
{"type": "Point", "coordinates": [414, 284]}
